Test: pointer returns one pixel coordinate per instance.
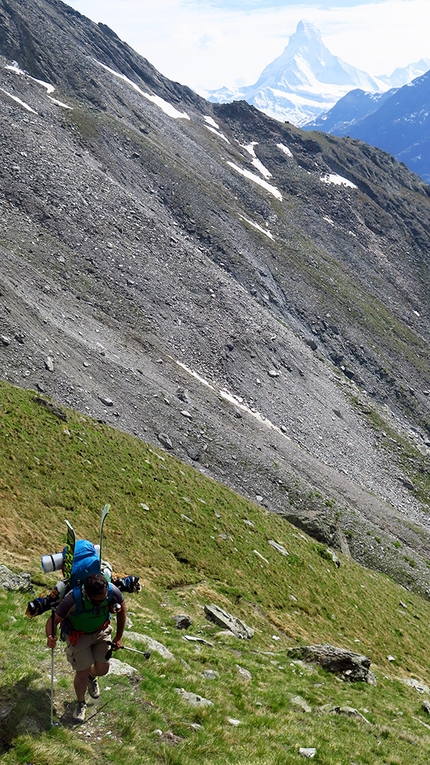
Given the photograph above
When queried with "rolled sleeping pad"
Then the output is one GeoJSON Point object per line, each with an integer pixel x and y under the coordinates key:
{"type": "Point", "coordinates": [54, 561]}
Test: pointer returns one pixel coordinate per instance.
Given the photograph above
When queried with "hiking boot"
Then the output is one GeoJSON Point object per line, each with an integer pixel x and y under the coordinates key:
{"type": "Point", "coordinates": [93, 687]}
{"type": "Point", "coordinates": [79, 715]}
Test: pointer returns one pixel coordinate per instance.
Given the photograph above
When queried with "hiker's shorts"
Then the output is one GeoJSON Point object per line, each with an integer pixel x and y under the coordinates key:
{"type": "Point", "coordinates": [90, 647]}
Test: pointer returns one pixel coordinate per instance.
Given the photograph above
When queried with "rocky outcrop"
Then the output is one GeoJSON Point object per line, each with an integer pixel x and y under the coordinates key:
{"type": "Point", "coordinates": [228, 622]}
{"type": "Point", "coordinates": [15, 582]}
{"type": "Point", "coordinates": [347, 664]}
{"type": "Point", "coordinates": [320, 526]}
{"type": "Point", "coordinates": [193, 698]}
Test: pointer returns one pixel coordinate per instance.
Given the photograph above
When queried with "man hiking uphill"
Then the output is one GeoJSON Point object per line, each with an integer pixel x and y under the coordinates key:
{"type": "Point", "coordinates": [84, 615]}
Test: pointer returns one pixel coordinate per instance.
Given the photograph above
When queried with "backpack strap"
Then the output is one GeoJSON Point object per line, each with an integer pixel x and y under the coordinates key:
{"type": "Point", "coordinates": [70, 628]}
{"type": "Point", "coordinates": [111, 595]}
{"type": "Point", "coordinates": [79, 598]}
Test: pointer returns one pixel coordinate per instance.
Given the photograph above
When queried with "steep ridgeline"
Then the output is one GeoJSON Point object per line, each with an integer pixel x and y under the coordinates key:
{"type": "Point", "coordinates": [253, 297]}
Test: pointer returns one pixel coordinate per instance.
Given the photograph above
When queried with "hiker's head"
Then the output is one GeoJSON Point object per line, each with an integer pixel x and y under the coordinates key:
{"type": "Point", "coordinates": [96, 587]}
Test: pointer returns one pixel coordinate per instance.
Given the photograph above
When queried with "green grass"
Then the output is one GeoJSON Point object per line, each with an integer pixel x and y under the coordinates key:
{"type": "Point", "coordinates": [185, 536]}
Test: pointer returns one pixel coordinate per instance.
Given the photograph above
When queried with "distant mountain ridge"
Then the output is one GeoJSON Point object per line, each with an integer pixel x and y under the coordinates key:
{"type": "Point", "coordinates": [397, 121]}
{"type": "Point", "coordinates": [403, 75]}
{"type": "Point", "coordinates": [307, 79]}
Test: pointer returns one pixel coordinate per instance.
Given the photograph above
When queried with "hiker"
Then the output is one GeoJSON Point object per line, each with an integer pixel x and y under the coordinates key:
{"type": "Point", "coordinates": [84, 618]}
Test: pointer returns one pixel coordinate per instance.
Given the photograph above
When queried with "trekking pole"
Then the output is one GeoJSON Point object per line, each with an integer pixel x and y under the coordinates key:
{"type": "Point", "coordinates": [98, 710]}
{"type": "Point", "coordinates": [52, 665]}
{"type": "Point", "coordinates": [146, 654]}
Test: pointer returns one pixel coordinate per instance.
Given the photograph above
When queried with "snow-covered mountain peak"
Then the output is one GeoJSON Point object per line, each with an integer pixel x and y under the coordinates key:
{"type": "Point", "coordinates": [306, 80]}
{"type": "Point", "coordinates": [404, 75]}
{"type": "Point", "coordinates": [305, 27]}
{"type": "Point", "coordinates": [304, 53]}
{"type": "Point", "coordinates": [306, 34]}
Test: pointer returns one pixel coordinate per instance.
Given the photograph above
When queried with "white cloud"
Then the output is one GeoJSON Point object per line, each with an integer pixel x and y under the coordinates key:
{"type": "Point", "coordinates": [206, 48]}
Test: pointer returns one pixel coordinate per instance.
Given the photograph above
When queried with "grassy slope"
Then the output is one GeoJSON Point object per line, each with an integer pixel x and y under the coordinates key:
{"type": "Point", "coordinates": [185, 536]}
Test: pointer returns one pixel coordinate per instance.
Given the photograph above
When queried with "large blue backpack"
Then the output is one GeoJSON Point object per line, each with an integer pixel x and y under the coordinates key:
{"type": "Point", "coordinates": [86, 561]}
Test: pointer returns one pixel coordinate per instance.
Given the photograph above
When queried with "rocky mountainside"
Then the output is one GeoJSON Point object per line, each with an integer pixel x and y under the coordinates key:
{"type": "Point", "coordinates": [396, 121]}
{"type": "Point", "coordinates": [250, 296]}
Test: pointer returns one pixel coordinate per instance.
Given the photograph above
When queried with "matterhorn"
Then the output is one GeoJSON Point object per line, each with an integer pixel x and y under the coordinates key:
{"type": "Point", "coordinates": [304, 81]}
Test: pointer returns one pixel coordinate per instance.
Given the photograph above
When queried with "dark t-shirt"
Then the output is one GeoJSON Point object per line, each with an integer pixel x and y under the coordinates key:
{"type": "Point", "coordinates": [67, 604]}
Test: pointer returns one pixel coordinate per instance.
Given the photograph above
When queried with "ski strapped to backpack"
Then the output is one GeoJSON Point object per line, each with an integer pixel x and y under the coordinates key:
{"type": "Point", "coordinates": [68, 553]}
{"type": "Point", "coordinates": [78, 560]}
{"type": "Point", "coordinates": [102, 523]}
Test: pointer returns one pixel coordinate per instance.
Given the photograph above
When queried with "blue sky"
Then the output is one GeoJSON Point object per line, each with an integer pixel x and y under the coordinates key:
{"type": "Point", "coordinates": [210, 43]}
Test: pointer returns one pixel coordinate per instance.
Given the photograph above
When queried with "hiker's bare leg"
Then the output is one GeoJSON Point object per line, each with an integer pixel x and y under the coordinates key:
{"type": "Point", "coordinates": [99, 668]}
{"type": "Point", "coordinates": [80, 683]}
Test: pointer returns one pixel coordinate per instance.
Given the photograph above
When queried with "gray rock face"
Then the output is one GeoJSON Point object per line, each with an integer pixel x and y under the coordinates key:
{"type": "Point", "coordinates": [14, 582]}
{"type": "Point", "coordinates": [278, 547]}
{"type": "Point", "coordinates": [301, 704]}
{"type": "Point", "coordinates": [228, 622]}
{"type": "Point", "coordinates": [53, 408]}
{"type": "Point", "coordinates": [151, 643]}
{"type": "Point", "coordinates": [49, 363]}
{"type": "Point", "coordinates": [121, 668]}
{"type": "Point", "coordinates": [182, 621]}
{"type": "Point", "coordinates": [350, 712]}
{"type": "Point", "coordinates": [193, 698]}
{"type": "Point", "coordinates": [349, 665]}
{"type": "Point", "coordinates": [244, 674]}
{"type": "Point", "coordinates": [106, 401]}
{"type": "Point", "coordinates": [165, 441]}
{"type": "Point", "coordinates": [197, 639]}
{"type": "Point", "coordinates": [321, 527]}
{"type": "Point", "coordinates": [210, 674]}
{"type": "Point", "coordinates": [308, 751]}
{"type": "Point", "coordinates": [333, 557]}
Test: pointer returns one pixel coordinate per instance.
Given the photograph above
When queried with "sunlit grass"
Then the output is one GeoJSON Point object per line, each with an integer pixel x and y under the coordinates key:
{"type": "Point", "coordinates": [186, 537]}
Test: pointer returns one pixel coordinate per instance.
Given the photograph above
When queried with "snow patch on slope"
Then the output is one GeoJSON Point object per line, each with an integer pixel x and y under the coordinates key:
{"type": "Point", "coordinates": [338, 180]}
{"type": "Point", "coordinates": [256, 179]}
{"type": "Point", "coordinates": [16, 69]}
{"type": "Point", "coordinates": [285, 149]}
{"type": "Point", "coordinates": [255, 161]}
{"type": "Point", "coordinates": [237, 401]}
{"type": "Point", "coordinates": [157, 100]}
{"type": "Point", "coordinates": [259, 228]}
{"type": "Point", "coordinates": [211, 125]}
{"type": "Point", "coordinates": [18, 101]}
